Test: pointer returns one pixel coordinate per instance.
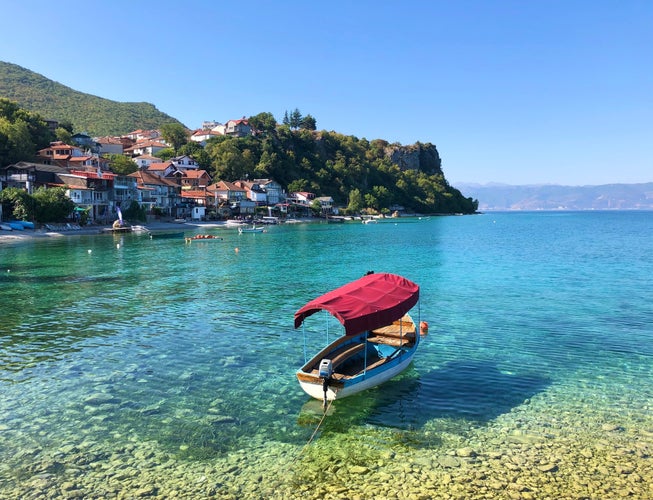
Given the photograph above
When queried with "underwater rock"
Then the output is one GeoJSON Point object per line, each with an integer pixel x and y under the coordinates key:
{"type": "Point", "coordinates": [449, 462]}
{"type": "Point", "coordinates": [466, 452]}
{"type": "Point", "coordinates": [549, 467]}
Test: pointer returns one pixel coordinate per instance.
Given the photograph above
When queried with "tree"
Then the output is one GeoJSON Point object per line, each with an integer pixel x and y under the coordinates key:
{"type": "Point", "coordinates": [52, 204]}
{"type": "Point", "coordinates": [63, 134]}
{"type": "Point", "coordinates": [21, 133]}
{"type": "Point", "coordinates": [355, 201]}
{"type": "Point", "coordinates": [166, 153]}
{"type": "Point", "coordinates": [68, 125]}
{"type": "Point", "coordinates": [308, 123]}
{"type": "Point", "coordinates": [174, 134]}
{"type": "Point", "coordinates": [18, 203]}
{"type": "Point", "coordinates": [263, 122]}
{"type": "Point", "coordinates": [122, 165]}
{"type": "Point", "coordinates": [295, 119]}
{"type": "Point", "coordinates": [371, 201]}
{"type": "Point", "coordinates": [316, 207]}
{"type": "Point", "coordinates": [298, 186]}
{"type": "Point", "coordinates": [15, 142]}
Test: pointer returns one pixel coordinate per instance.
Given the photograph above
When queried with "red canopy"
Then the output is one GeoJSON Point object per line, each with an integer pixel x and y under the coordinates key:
{"type": "Point", "coordinates": [373, 301]}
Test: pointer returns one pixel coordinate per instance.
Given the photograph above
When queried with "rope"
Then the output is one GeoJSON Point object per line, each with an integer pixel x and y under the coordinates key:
{"type": "Point", "coordinates": [314, 432]}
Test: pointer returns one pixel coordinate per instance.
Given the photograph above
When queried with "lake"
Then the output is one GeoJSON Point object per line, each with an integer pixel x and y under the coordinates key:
{"type": "Point", "coordinates": [137, 367]}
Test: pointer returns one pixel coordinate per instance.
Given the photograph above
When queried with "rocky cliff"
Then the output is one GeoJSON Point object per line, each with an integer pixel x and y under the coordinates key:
{"type": "Point", "coordinates": [418, 156]}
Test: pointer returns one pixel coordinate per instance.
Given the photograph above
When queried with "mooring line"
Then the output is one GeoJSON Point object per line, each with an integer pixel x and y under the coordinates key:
{"type": "Point", "coordinates": [314, 432]}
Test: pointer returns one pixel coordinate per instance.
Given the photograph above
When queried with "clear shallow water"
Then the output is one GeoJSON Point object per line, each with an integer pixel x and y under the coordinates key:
{"type": "Point", "coordinates": [190, 349]}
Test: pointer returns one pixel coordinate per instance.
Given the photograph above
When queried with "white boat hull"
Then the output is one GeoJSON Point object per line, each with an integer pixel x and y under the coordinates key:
{"type": "Point", "coordinates": [315, 389]}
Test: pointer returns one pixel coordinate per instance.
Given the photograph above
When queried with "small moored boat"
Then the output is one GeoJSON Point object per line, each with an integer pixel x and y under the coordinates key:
{"type": "Point", "coordinates": [25, 224]}
{"type": "Point", "coordinates": [253, 229]}
{"type": "Point", "coordinates": [380, 337]}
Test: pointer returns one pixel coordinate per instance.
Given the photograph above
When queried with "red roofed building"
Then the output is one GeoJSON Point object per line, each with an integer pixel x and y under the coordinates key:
{"type": "Point", "coordinates": [145, 147]}
{"type": "Point", "coordinates": [157, 194]}
{"type": "Point", "coordinates": [195, 179]}
{"type": "Point", "coordinates": [238, 128]}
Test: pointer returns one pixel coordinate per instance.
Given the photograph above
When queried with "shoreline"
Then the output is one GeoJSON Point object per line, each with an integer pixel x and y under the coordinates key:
{"type": "Point", "coordinates": [41, 233]}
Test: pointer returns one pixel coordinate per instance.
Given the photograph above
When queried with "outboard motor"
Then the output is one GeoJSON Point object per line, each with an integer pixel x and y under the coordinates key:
{"type": "Point", "coordinates": [325, 371]}
{"type": "Point", "coordinates": [326, 368]}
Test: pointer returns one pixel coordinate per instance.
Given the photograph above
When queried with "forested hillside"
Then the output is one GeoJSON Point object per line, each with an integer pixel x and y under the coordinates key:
{"type": "Point", "coordinates": [357, 173]}
{"type": "Point", "coordinates": [88, 113]}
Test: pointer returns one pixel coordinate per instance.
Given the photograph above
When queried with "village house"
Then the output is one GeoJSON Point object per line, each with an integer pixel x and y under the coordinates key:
{"type": "Point", "coordinates": [274, 191]}
{"type": "Point", "coordinates": [85, 141]}
{"type": "Point", "coordinates": [195, 179]}
{"type": "Point", "coordinates": [142, 135]}
{"type": "Point", "coordinates": [326, 204]}
{"type": "Point", "coordinates": [302, 198]}
{"type": "Point", "coordinates": [227, 192]}
{"type": "Point", "coordinates": [157, 192]}
{"type": "Point", "coordinates": [112, 145]}
{"type": "Point", "coordinates": [145, 161]}
{"type": "Point", "coordinates": [254, 192]}
{"type": "Point", "coordinates": [99, 193]}
{"type": "Point", "coordinates": [31, 176]}
{"type": "Point", "coordinates": [145, 147]}
{"type": "Point", "coordinates": [238, 128]}
{"type": "Point", "coordinates": [59, 152]}
{"type": "Point", "coordinates": [184, 162]}
{"type": "Point", "coordinates": [231, 199]}
{"type": "Point", "coordinates": [202, 136]}
{"type": "Point", "coordinates": [166, 169]}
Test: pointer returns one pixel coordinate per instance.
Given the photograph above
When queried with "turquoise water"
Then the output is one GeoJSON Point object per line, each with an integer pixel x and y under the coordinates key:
{"type": "Point", "coordinates": [184, 355]}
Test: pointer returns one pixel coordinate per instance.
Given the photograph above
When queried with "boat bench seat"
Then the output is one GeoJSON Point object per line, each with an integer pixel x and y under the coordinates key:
{"type": "Point", "coordinates": [347, 353]}
{"type": "Point", "coordinates": [396, 330]}
{"type": "Point", "coordinates": [393, 341]}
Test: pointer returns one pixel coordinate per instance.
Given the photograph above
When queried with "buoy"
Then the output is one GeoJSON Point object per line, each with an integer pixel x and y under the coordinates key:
{"type": "Point", "coordinates": [89, 250]}
{"type": "Point", "coordinates": [423, 328]}
{"type": "Point", "coordinates": [236, 249]}
{"type": "Point", "coordinates": [118, 246]}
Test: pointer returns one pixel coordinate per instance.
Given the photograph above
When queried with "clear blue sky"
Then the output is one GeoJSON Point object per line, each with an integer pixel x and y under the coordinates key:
{"type": "Point", "coordinates": [520, 91]}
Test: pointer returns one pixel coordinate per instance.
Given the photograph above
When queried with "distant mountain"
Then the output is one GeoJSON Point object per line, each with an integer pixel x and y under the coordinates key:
{"type": "Point", "coordinates": [555, 197]}
{"type": "Point", "coordinates": [87, 113]}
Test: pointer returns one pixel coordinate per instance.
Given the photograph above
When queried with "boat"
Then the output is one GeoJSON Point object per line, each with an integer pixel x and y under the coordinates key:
{"type": "Point", "coordinates": [140, 229]}
{"type": "Point", "coordinates": [167, 236]}
{"type": "Point", "coordinates": [269, 220]}
{"type": "Point", "coordinates": [203, 237]}
{"type": "Point", "coordinates": [16, 226]}
{"type": "Point", "coordinates": [118, 229]}
{"type": "Point", "coordinates": [5, 227]}
{"type": "Point", "coordinates": [235, 223]}
{"type": "Point", "coordinates": [253, 229]}
{"type": "Point", "coordinates": [23, 223]}
{"type": "Point", "coordinates": [379, 342]}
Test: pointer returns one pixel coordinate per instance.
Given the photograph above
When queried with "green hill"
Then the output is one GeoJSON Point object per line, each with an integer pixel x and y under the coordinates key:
{"type": "Point", "coordinates": [87, 113]}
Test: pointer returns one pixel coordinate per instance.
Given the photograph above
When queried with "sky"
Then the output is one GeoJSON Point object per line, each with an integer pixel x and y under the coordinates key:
{"type": "Point", "coordinates": [514, 91]}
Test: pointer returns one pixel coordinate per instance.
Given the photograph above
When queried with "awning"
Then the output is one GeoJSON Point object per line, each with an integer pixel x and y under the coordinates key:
{"type": "Point", "coordinates": [373, 301]}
